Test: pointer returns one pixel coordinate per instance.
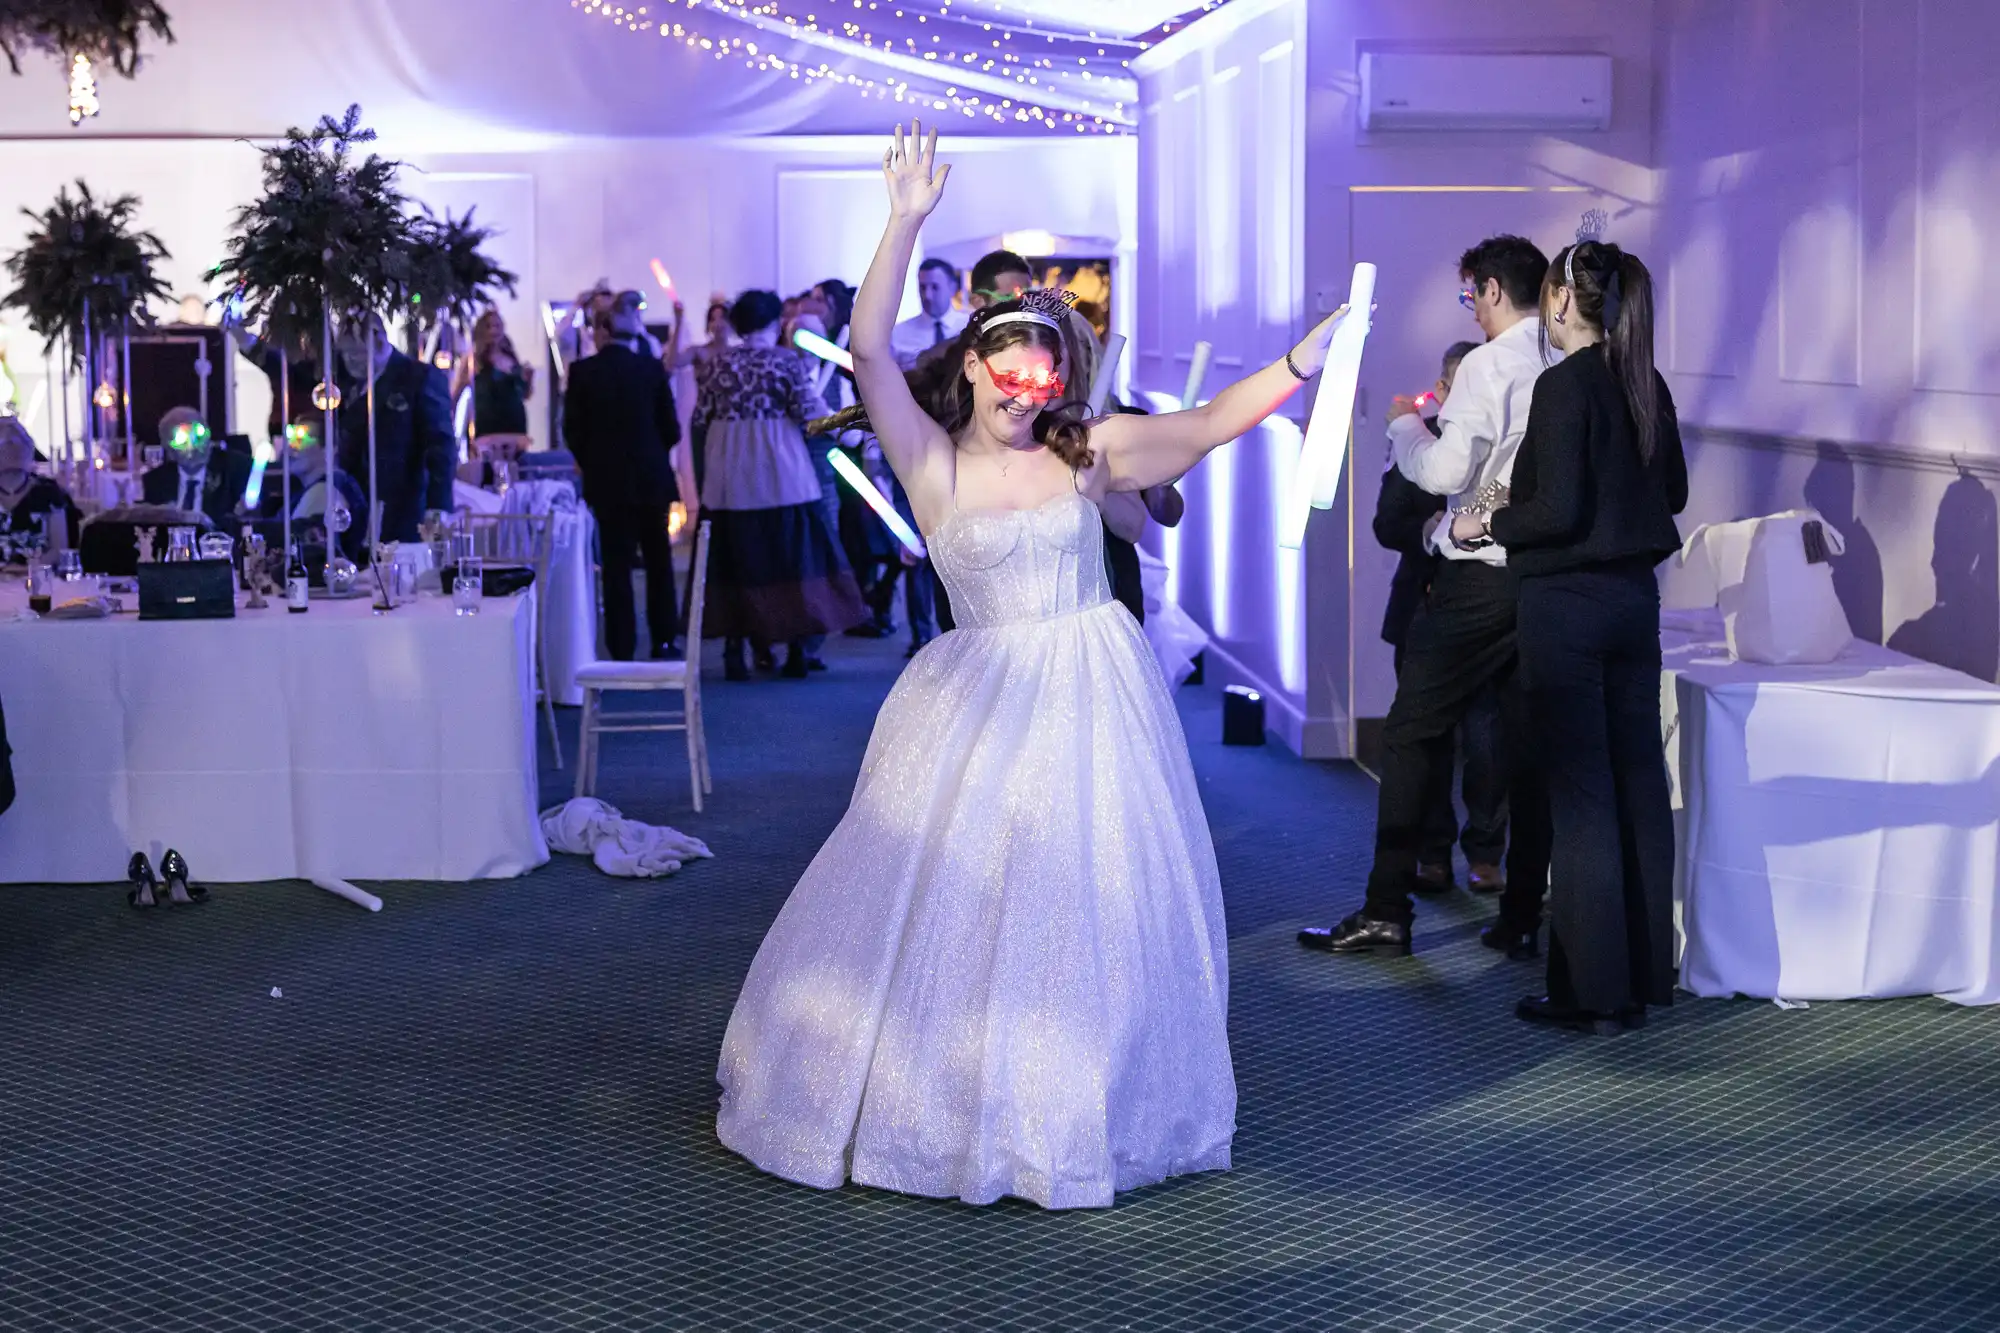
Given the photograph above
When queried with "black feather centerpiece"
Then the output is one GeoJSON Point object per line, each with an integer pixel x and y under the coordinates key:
{"type": "Point", "coordinates": [331, 233]}
{"type": "Point", "coordinates": [84, 253]}
{"type": "Point", "coordinates": [105, 30]}
{"type": "Point", "coordinates": [449, 277]}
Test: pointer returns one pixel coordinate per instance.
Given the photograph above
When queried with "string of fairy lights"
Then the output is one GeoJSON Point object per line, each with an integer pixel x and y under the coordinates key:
{"type": "Point", "coordinates": [967, 57]}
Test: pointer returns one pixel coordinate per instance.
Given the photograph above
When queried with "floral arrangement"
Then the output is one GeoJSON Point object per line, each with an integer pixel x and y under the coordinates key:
{"type": "Point", "coordinates": [84, 254]}
{"type": "Point", "coordinates": [332, 233]}
{"type": "Point", "coordinates": [106, 30]}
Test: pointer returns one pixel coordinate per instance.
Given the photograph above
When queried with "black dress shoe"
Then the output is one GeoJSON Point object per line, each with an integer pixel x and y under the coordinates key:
{"type": "Point", "coordinates": [1359, 933]}
{"type": "Point", "coordinates": [1541, 1009]}
{"type": "Point", "coordinates": [1435, 878]}
{"type": "Point", "coordinates": [1520, 946]}
{"type": "Point", "coordinates": [815, 664]}
{"type": "Point", "coordinates": [795, 667]}
{"type": "Point", "coordinates": [1485, 878]}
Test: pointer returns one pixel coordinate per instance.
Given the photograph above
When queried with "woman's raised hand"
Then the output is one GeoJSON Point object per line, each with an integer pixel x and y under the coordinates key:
{"type": "Point", "coordinates": [916, 181]}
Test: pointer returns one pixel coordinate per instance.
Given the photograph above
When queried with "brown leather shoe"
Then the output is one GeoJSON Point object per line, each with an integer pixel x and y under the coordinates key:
{"type": "Point", "coordinates": [1485, 879]}
{"type": "Point", "coordinates": [1434, 879]}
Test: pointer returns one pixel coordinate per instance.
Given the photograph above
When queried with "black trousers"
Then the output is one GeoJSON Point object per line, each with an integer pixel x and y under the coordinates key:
{"type": "Point", "coordinates": [1482, 782]}
{"type": "Point", "coordinates": [623, 531]}
{"type": "Point", "coordinates": [1462, 642]}
{"type": "Point", "coordinates": [1590, 656]}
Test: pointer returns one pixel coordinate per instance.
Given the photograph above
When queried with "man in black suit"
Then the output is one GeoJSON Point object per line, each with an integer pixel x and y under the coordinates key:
{"type": "Point", "coordinates": [199, 476]}
{"type": "Point", "coordinates": [416, 452]}
{"type": "Point", "coordinates": [619, 421]}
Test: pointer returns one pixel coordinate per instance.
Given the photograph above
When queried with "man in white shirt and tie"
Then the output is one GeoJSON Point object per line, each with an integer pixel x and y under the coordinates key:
{"type": "Point", "coordinates": [937, 285]}
{"type": "Point", "coordinates": [1462, 638]}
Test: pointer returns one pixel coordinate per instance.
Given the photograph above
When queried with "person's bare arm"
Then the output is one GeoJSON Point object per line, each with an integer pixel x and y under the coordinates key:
{"type": "Point", "coordinates": [1139, 452]}
{"type": "Point", "coordinates": [916, 446]}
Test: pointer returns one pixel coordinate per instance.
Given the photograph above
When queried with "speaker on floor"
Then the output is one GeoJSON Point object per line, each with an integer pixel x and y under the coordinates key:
{"type": "Point", "coordinates": [1242, 716]}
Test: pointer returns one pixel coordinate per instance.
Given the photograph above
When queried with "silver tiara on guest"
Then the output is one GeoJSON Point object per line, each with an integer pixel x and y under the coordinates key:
{"type": "Point", "coordinates": [1590, 231]}
{"type": "Point", "coordinates": [1041, 306]}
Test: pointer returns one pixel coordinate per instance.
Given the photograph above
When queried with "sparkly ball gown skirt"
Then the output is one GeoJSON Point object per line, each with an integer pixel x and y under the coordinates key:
{"type": "Point", "coordinates": [1006, 971]}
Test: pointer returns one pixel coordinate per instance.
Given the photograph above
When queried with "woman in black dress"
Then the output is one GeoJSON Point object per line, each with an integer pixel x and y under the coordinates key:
{"type": "Point", "coordinates": [1598, 480]}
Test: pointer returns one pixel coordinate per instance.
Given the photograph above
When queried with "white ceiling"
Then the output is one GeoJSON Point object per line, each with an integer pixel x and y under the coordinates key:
{"type": "Point", "coordinates": [479, 73]}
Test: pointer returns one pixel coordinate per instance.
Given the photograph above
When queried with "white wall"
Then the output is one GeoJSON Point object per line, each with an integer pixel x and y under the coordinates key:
{"type": "Point", "coordinates": [1828, 243]}
{"type": "Point", "coordinates": [1259, 191]}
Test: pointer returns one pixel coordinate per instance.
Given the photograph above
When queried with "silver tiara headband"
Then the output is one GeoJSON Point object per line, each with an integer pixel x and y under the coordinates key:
{"type": "Point", "coordinates": [1588, 231]}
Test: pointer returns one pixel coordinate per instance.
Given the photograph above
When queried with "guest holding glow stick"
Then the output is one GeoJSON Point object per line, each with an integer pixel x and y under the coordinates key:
{"type": "Point", "coordinates": [1006, 972]}
{"type": "Point", "coordinates": [1406, 519]}
{"type": "Point", "coordinates": [1462, 641]}
{"type": "Point", "coordinates": [1598, 481]}
{"type": "Point", "coordinates": [775, 572]}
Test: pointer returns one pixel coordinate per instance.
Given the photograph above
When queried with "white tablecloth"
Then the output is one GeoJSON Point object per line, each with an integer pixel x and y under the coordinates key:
{"type": "Point", "coordinates": [273, 746]}
{"type": "Point", "coordinates": [1840, 824]}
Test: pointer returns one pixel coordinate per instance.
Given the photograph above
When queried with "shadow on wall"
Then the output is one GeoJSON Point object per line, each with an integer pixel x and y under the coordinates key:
{"type": "Point", "coordinates": [1962, 629]}
{"type": "Point", "coordinates": [1857, 575]}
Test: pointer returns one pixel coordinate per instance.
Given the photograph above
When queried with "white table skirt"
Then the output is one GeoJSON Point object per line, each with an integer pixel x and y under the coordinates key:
{"type": "Point", "coordinates": [570, 600]}
{"type": "Point", "coordinates": [572, 604]}
{"type": "Point", "coordinates": [1840, 824]}
{"type": "Point", "coordinates": [273, 746]}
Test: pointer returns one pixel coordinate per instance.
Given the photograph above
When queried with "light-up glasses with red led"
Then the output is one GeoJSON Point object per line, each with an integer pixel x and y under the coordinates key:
{"type": "Point", "coordinates": [1024, 384]}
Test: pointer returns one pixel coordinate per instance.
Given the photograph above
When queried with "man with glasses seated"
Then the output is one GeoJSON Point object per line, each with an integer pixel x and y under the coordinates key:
{"type": "Point", "coordinates": [199, 475]}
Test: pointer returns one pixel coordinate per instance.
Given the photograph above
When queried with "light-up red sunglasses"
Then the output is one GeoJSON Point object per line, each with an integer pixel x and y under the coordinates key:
{"type": "Point", "coordinates": [1021, 384]}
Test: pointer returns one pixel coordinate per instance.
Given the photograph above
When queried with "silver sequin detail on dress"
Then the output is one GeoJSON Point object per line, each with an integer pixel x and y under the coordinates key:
{"type": "Point", "coordinates": [1006, 972]}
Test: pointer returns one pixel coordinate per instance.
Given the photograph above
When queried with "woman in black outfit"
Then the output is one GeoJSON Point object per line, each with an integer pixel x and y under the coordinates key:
{"type": "Point", "coordinates": [1598, 480]}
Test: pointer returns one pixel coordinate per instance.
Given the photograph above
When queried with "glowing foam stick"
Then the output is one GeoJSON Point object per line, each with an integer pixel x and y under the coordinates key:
{"type": "Point", "coordinates": [808, 341]}
{"type": "Point", "coordinates": [1197, 372]}
{"type": "Point", "coordinates": [1107, 371]}
{"type": "Point", "coordinates": [554, 330]}
{"type": "Point", "coordinates": [878, 502]}
{"type": "Point", "coordinates": [661, 276]}
{"type": "Point", "coordinates": [1323, 457]}
{"type": "Point", "coordinates": [254, 492]}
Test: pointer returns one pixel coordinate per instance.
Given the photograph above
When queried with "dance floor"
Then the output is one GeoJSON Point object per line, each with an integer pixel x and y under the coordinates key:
{"type": "Point", "coordinates": [490, 1107]}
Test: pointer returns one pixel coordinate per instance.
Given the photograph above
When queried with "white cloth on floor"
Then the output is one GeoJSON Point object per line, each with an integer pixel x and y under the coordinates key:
{"type": "Point", "coordinates": [589, 827]}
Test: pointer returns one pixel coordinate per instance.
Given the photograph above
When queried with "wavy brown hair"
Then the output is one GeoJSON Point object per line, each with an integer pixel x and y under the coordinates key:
{"type": "Point", "coordinates": [941, 388]}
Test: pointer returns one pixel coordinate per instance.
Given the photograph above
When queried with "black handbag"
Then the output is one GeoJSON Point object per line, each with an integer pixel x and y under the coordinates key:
{"type": "Point", "coordinates": [187, 590]}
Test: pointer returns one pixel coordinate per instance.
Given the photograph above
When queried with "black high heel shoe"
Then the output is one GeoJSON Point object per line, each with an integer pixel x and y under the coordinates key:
{"type": "Point", "coordinates": [140, 871]}
{"type": "Point", "coordinates": [180, 892]}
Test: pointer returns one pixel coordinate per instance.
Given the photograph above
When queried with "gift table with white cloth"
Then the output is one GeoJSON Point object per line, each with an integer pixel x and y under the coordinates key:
{"type": "Point", "coordinates": [1839, 823]}
{"type": "Point", "coordinates": [338, 744]}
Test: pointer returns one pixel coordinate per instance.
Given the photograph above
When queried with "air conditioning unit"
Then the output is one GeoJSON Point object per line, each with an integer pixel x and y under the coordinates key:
{"type": "Point", "coordinates": [1424, 91]}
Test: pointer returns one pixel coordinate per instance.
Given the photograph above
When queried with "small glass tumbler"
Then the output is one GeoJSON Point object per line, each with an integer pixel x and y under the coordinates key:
{"type": "Point", "coordinates": [69, 566]}
{"type": "Point", "coordinates": [41, 583]}
{"type": "Point", "coordinates": [466, 587]}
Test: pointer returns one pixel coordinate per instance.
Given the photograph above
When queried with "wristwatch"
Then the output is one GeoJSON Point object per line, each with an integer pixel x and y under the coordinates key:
{"type": "Point", "coordinates": [1483, 540]}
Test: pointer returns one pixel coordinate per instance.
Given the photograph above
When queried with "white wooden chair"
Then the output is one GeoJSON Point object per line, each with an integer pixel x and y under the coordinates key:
{"type": "Point", "coordinates": [524, 539]}
{"type": "Point", "coordinates": [601, 677]}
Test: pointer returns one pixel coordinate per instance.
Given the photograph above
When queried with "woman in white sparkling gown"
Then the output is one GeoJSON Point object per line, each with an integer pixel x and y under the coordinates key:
{"type": "Point", "coordinates": [1006, 972]}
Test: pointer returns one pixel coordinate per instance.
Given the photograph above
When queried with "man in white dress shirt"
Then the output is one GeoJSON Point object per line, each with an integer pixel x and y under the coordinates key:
{"type": "Point", "coordinates": [1462, 639]}
{"type": "Point", "coordinates": [937, 285]}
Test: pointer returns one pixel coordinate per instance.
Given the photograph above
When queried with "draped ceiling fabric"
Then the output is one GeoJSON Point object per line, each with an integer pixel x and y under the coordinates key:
{"type": "Point", "coordinates": [461, 74]}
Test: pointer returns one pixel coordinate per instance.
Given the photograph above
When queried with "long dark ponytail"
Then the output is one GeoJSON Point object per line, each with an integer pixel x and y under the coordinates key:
{"type": "Point", "coordinates": [1613, 291]}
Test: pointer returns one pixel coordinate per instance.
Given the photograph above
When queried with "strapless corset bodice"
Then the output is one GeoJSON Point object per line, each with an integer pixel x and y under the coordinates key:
{"type": "Point", "coordinates": [1017, 566]}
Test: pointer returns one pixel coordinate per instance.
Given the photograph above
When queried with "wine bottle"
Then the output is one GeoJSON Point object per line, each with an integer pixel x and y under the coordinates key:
{"type": "Point", "coordinates": [295, 579]}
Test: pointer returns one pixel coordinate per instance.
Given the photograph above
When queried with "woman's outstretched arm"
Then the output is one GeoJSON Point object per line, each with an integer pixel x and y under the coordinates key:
{"type": "Point", "coordinates": [1140, 452]}
{"type": "Point", "coordinates": [914, 444]}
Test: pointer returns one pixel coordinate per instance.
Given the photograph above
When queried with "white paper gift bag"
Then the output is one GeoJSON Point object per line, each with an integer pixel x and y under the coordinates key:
{"type": "Point", "coordinates": [1772, 578]}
